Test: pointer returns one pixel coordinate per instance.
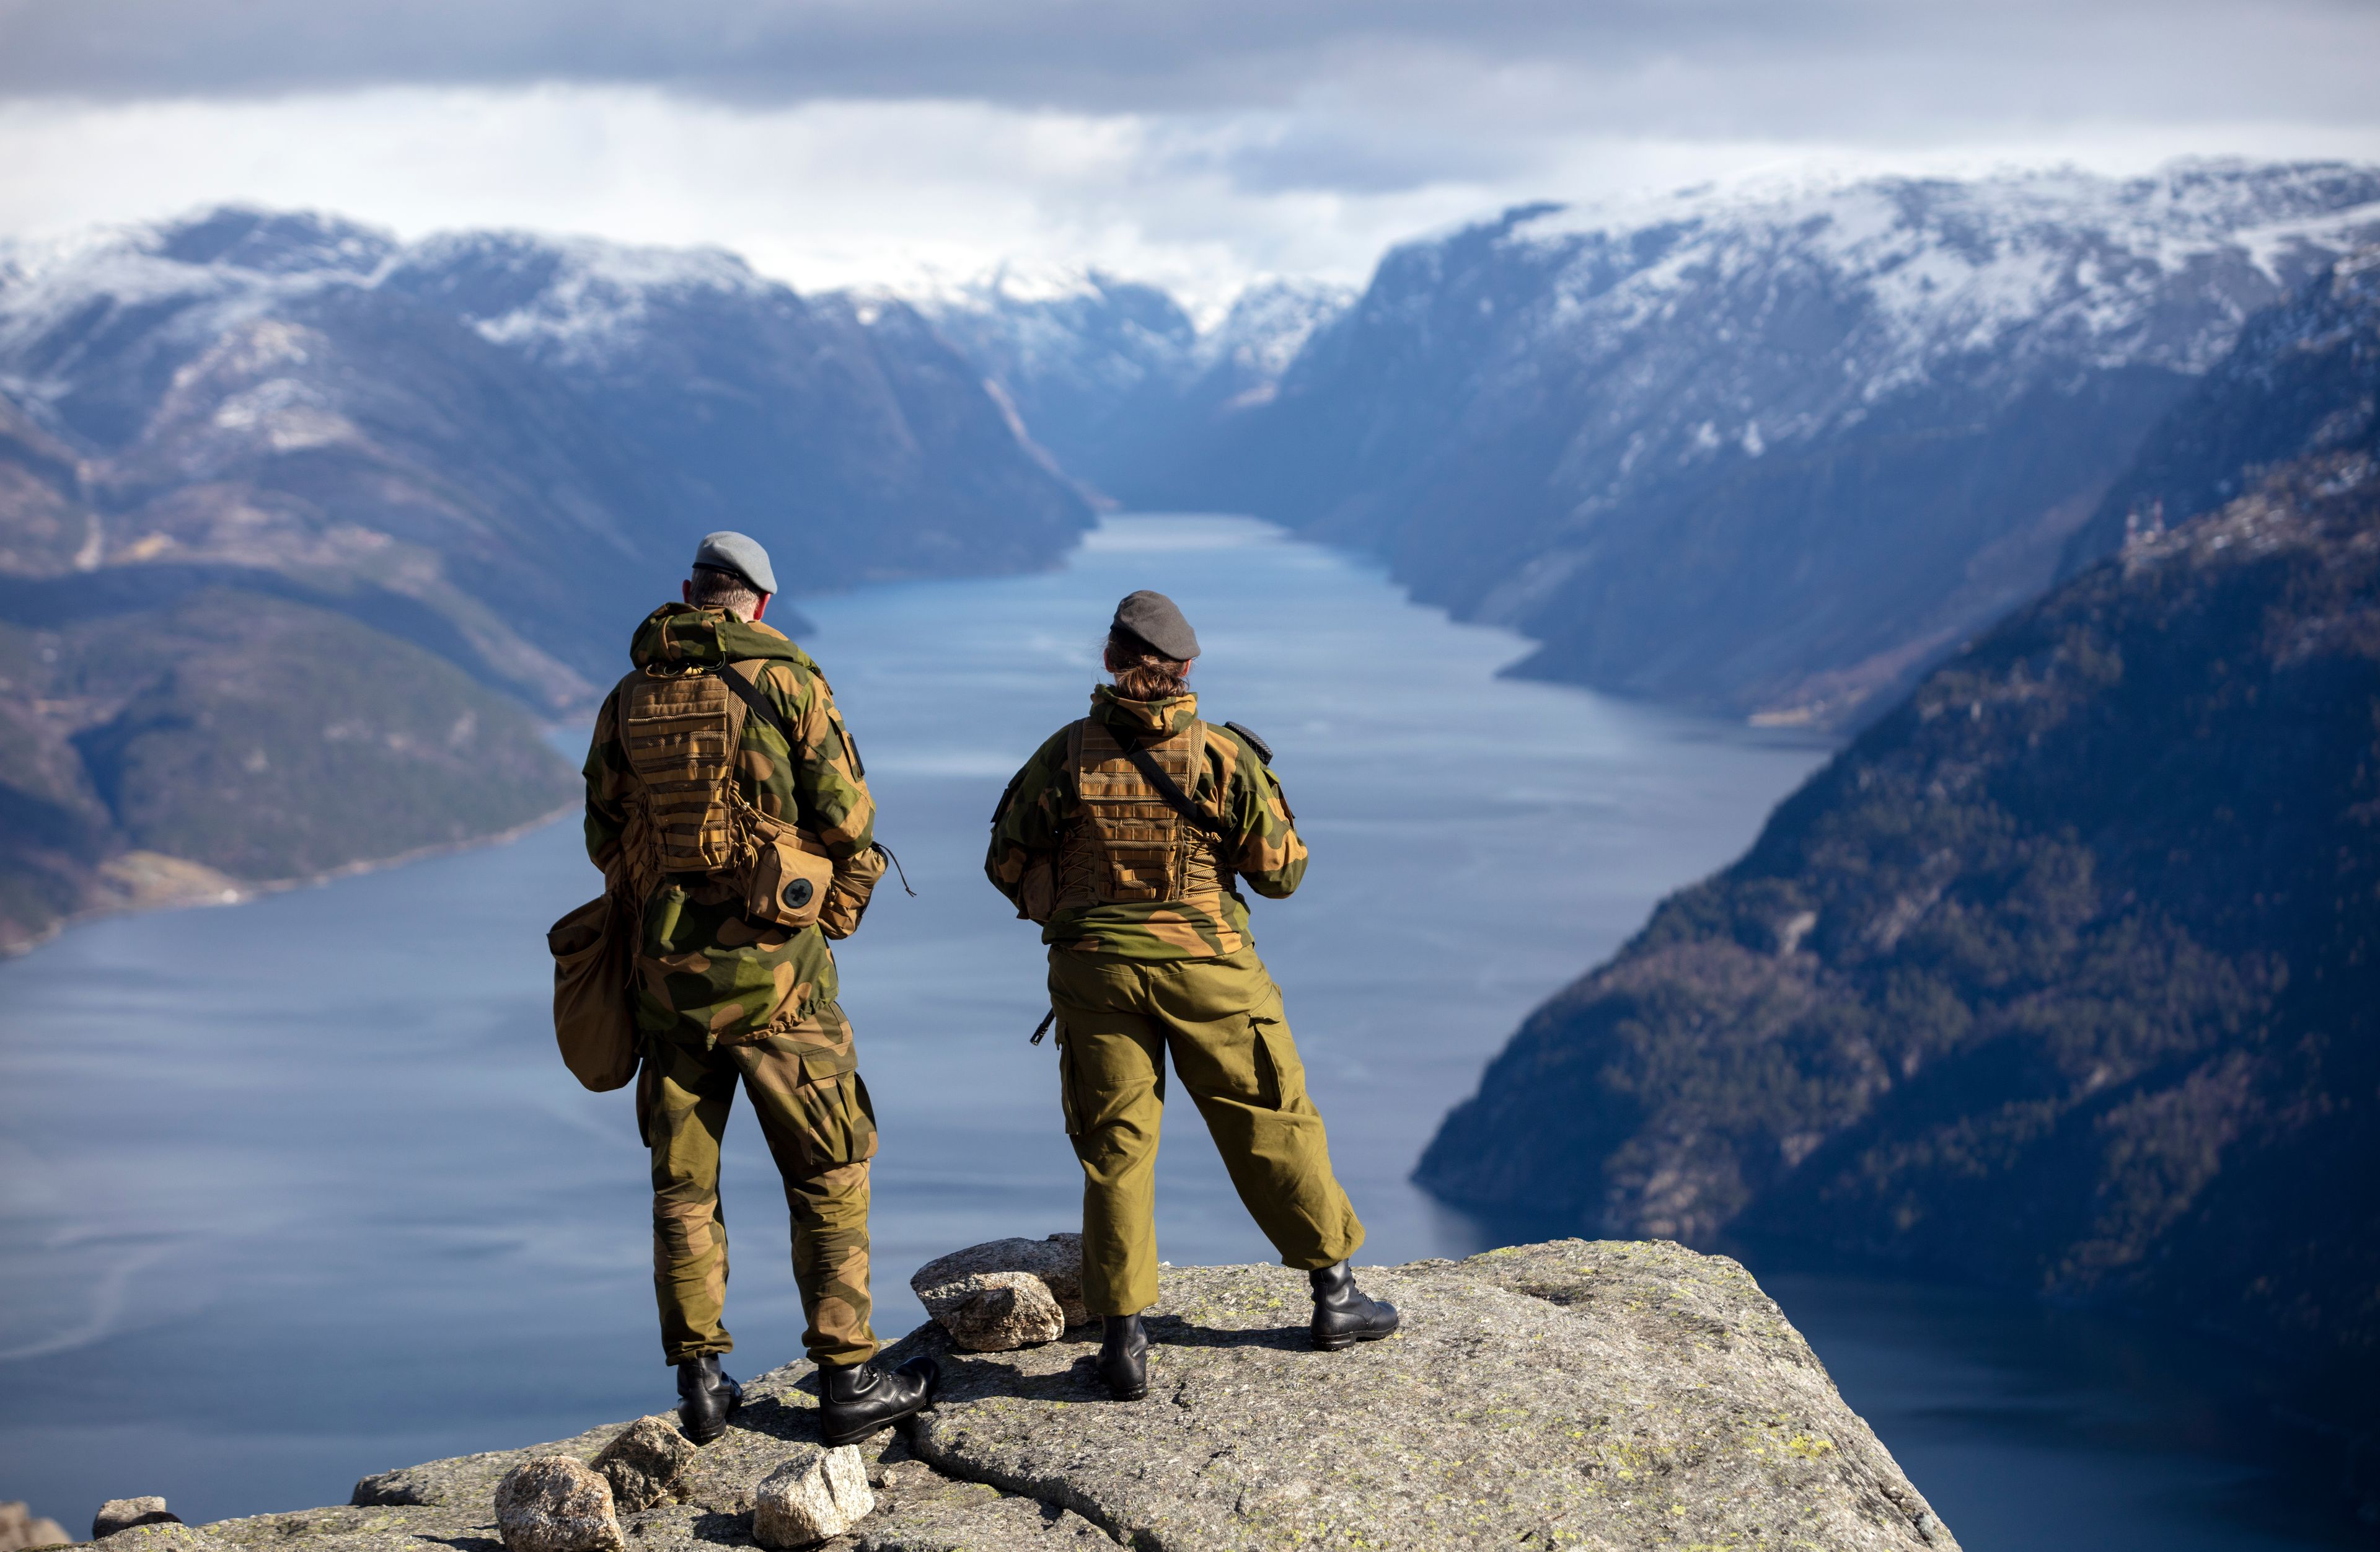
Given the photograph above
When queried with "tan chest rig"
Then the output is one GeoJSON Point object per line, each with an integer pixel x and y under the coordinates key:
{"type": "Point", "coordinates": [1129, 846]}
{"type": "Point", "coordinates": [688, 816]}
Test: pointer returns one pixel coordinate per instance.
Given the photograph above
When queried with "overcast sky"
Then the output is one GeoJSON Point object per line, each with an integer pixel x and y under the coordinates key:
{"type": "Point", "coordinates": [859, 141]}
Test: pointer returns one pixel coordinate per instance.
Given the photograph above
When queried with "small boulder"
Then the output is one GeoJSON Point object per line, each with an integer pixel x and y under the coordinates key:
{"type": "Point", "coordinates": [555, 1504]}
{"type": "Point", "coordinates": [1003, 1311]}
{"type": "Point", "coordinates": [817, 1494]}
{"type": "Point", "coordinates": [20, 1529]}
{"type": "Point", "coordinates": [1057, 1261]}
{"type": "Point", "coordinates": [644, 1462]}
{"type": "Point", "coordinates": [122, 1514]}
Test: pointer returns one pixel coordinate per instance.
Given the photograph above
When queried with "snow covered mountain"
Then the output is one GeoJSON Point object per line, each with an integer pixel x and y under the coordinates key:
{"type": "Point", "coordinates": [1117, 380]}
{"type": "Point", "coordinates": [415, 492]}
{"type": "Point", "coordinates": [535, 421]}
{"type": "Point", "coordinates": [1772, 449]}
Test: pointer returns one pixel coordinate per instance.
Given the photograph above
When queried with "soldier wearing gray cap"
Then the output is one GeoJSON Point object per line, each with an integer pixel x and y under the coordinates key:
{"type": "Point", "coordinates": [738, 555]}
{"type": "Point", "coordinates": [729, 811]}
{"type": "Point", "coordinates": [1126, 837]}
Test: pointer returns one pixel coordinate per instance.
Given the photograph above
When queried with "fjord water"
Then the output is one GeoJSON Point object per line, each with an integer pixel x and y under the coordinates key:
{"type": "Point", "coordinates": [297, 1190]}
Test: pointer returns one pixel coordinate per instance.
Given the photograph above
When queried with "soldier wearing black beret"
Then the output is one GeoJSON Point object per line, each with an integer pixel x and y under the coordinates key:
{"type": "Point", "coordinates": [1126, 837]}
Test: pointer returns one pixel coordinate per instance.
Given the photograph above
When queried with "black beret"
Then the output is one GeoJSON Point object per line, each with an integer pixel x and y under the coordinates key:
{"type": "Point", "coordinates": [1153, 618]}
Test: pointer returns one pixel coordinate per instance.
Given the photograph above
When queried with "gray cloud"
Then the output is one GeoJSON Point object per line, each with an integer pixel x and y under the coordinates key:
{"type": "Point", "coordinates": [1481, 69]}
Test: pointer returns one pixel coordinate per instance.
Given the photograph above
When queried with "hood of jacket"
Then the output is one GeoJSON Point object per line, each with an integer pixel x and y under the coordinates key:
{"type": "Point", "coordinates": [1145, 719]}
{"type": "Point", "coordinates": [678, 635]}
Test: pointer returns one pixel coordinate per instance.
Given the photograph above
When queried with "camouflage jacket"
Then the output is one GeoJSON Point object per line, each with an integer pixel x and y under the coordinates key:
{"type": "Point", "coordinates": [1260, 842]}
{"type": "Point", "coordinates": [704, 972]}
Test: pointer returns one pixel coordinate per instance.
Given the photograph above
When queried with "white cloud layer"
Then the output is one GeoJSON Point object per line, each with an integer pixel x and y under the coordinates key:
{"type": "Point", "coordinates": [906, 140]}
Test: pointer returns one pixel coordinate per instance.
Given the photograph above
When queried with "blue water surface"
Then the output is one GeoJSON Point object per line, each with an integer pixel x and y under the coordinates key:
{"type": "Point", "coordinates": [297, 1190]}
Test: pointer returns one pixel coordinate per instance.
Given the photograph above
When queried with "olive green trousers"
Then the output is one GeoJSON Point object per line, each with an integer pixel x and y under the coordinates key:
{"type": "Point", "coordinates": [816, 1118]}
{"type": "Point", "coordinates": [1221, 1020]}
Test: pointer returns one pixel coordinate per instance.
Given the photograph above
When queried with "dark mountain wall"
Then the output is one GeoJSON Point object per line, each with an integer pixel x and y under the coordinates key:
{"type": "Point", "coordinates": [2063, 974]}
{"type": "Point", "coordinates": [301, 531]}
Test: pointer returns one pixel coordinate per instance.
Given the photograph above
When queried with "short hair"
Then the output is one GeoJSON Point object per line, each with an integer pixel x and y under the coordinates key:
{"type": "Point", "coordinates": [1142, 673]}
{"type": "Point", "coordinates": [714, 588]}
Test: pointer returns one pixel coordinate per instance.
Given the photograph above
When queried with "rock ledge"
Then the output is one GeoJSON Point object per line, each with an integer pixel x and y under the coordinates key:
{"type": "Point", "coordinates": [1600, 1396]}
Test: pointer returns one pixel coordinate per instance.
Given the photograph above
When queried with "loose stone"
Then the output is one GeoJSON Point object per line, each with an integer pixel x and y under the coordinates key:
{"type": "Point", "coordinates": [644, 1462]}
{"type": "Point", "coordinates": [122, 1514]}
{"type": "Point", "coordinates": [556, 1504]}
{"type": "Point", "coordinates": [817, 1494]}
{"type": "Point", "coordinates": [944, 1285]}
{"type": "Point", "coordinates": [21, 1530]}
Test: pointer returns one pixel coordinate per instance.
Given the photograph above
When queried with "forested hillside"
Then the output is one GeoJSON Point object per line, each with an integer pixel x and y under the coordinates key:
{"type": "Point", "coordinates": [2062, 974]}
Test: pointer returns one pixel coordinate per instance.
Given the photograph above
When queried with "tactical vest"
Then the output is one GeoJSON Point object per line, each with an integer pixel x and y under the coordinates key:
{"type": "Point", "coordinates": [682, 733]}
{"type": "Point", "coordinates": [1129, 846]}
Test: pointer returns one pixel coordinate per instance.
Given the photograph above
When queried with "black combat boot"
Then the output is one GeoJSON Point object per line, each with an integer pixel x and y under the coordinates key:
{"type": "Point", "coordinates": [1342, 1316]}
{"type": "Point", "coordinates": [856, 1400]}
{"type": "Point", "coordinates": [1124, 1357]}
{"type": "Point", "coordinates": [707, 1398]}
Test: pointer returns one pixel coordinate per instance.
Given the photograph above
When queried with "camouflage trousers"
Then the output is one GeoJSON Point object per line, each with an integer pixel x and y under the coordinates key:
{"type": "Point", "coordinates": [816, 1118]}
{"type": "Point", "coordinates": [1221, 1021]}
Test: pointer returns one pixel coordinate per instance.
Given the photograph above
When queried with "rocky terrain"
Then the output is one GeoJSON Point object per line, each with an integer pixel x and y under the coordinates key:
{"type": "Point", "coordinates": [1565, 1395]}
{"type": "Point", "coordinates": [304, 531]}
{"type": "Point", "coordinates": [2061, 973]}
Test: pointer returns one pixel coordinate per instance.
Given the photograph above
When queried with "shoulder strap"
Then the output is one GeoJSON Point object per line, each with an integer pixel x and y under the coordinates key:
{"type": "Point", "coordinates": [1176, 798]}
{"type": "Point", "coordinates": [762, 706]}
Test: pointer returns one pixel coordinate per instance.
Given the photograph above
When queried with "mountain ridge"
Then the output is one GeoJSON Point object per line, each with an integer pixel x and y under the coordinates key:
{"type": "Point", "coordinates": [471, 462]}
{"type": "Point", "coordinates": [2058, 976]}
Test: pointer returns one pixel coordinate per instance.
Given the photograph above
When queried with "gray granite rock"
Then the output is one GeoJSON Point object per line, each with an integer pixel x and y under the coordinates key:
{"type": "Point", "coordinates": [945, 1285]}
{"type": "Point", "coordinates": [162, 1535]}
{"type": "Point", "coordinates": [121, 1514]}
{"type": "Point", "coordinates": [999, 1312]}
{"type": "Point", "coordinates": [1597, 1396]}
{"type": "Point", "coordinates": [818, 1493]}
{"type": "Point", "coordinates": [21, 1529]}
{"type": "Point", "coordinates": [1604, 1396]}
{"type": "Point", "coordinates": [556, 1504]}
{"type": "Point", "coordinates": [644, 1462]}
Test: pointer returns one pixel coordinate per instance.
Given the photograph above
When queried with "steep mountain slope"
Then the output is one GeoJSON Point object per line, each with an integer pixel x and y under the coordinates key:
{"type": "Point", "coordinates": [2063, 973]}
{"type": "Point", "coordinates": [1770, 451]}
{"type": "Point", "coordinates": [463, 467]}
{"type": "Point", "coordinates": [2304, 381]}
{"type": "Point", "coordinates": [1119, 382]}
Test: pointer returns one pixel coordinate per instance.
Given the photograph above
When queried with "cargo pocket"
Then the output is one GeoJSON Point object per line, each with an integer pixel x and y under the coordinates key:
{"type": "Point", "coordinates": [837, 1121]}
{"type": "Point", "coordinates": [1281, 1077]}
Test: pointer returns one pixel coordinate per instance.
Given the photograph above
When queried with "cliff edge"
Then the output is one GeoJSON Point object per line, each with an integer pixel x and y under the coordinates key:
{"type": "Point", "coordinates": [1595, 1395]}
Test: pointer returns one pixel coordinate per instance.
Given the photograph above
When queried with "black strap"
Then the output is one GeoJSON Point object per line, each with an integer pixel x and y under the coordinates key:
{"type": "Point", "coordinates": [1175, 798]}
{"type": "Point", "coordinates": [760, 704]}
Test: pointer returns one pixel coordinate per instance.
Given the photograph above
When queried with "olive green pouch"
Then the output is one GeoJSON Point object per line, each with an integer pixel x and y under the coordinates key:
{"type": "Point", "coordinates": [594, 1021]}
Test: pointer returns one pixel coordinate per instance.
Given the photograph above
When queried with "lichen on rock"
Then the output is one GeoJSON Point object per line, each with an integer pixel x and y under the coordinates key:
{"type": "Point", "coordinates": [1574, 1395]}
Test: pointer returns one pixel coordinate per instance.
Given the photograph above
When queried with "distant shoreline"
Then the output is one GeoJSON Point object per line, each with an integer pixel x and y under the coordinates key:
{"type": "Point", "coordinates": [242, 891]}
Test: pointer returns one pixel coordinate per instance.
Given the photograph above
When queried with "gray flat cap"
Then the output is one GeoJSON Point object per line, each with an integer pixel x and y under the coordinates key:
{"type": "Point", "coordinates": [740, 553]}
{"type": "Point", "coordinates": [1153, 618]}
